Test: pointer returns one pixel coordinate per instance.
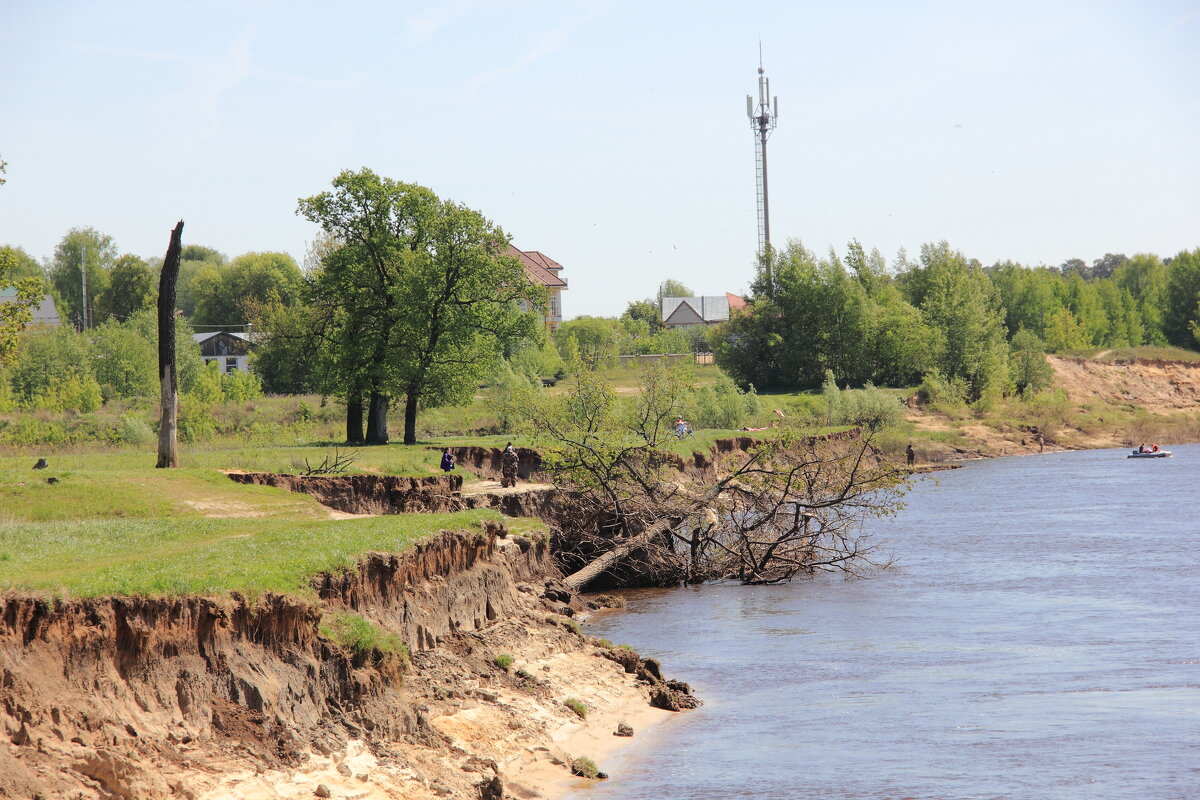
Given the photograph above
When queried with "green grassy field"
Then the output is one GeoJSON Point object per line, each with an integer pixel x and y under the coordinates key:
{"type": "Point", "coordinates": [113, 524]}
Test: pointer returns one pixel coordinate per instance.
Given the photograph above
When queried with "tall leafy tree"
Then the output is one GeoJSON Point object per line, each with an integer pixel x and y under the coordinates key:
{"type": "Point", "coordinates": [66, 265]}
{"type": "Point", "coordinates": [221, 292]}
{"type": "Point", "coordinates": [418, 300]}
{"type": "Point", "coordinates": [1182, 296]}
{"type": "Point", "coordinates": [961, 303]}
{"type": "Point", "coordinates": [672, 288]}
{"type": "Point", "coordinates": [132, 287]}
{"type": "Point", "coordinates": [1145, 277]}
{"type": "Point", "coordinates": [16, 313]}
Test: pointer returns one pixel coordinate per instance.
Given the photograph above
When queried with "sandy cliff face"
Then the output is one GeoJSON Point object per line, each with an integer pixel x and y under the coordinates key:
{"type": "Point", "coordinates": [232, 697]}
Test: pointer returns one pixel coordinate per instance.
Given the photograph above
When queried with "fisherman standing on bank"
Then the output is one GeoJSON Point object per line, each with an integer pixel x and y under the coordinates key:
{"type": "Point", "coordinates": [509, 460]}
{"type": "Point", "coordinates": [910, 455]}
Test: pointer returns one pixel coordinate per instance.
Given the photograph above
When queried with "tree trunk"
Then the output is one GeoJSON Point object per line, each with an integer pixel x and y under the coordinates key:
{"type": "Point", "coordinates": [168, 423]}
{"type": "Point", "coordinates": [410, 416]}
{"type": "Point", "coordinates": [377, 431]}
{"type": "Point", "coordinates": [354, 419]}
{"type": "Point", "coordinates": [580, 580]}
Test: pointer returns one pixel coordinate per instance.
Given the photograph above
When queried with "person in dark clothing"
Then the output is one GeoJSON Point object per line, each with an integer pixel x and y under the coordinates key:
{"type": "Point", "coordinates": [910, 455]}
{"type": "Point", "coordinates": [447, 460]}
{"type": "Point", "coordinates": [509, 461]}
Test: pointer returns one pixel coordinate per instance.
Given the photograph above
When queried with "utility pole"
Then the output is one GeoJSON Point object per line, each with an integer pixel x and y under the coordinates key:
{"type": "Point", "coordinates": [84, 317]}
{"type": "Point", "coordinates": [763, 117]}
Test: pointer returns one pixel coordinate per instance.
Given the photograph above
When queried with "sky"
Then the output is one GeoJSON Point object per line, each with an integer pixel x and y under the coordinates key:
{"type": "Point", "coordinates": [612, 135]}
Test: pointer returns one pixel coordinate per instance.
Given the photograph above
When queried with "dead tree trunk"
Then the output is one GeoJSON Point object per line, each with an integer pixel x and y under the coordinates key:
{"type": "Point", "coordinates": [580, 580]}
{"type": "Point", "coordinates": [168, 423]}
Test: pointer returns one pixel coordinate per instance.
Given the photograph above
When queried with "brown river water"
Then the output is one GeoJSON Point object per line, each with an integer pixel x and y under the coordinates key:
{"type": "Point", "coordinates": [1039, 639]}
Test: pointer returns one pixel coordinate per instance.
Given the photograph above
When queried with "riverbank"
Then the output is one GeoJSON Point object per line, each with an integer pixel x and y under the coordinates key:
{"type": "Point", "coordinates": [452, 669]}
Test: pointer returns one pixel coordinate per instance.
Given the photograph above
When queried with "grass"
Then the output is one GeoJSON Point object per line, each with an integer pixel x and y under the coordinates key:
{"type": "Point", "coordinates": [577, 706]}
{"type": "Point", "coordinates": [364, 638]}
{"type": "Point", "coordinates": [503, 661]}
{"type": "Point", "coordinates": [88, 558]}
{"type": "Point", "coordinates": [585, 767]}
{"type": "Point", "coordinates": [1150, 352]}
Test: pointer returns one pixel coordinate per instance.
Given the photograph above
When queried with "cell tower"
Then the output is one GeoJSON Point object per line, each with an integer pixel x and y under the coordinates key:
{"type": "Point", "coordinates": [763, 118]}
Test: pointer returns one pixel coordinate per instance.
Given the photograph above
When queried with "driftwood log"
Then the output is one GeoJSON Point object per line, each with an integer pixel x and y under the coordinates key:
{"type": "Point", "coordinates": [168, 425]}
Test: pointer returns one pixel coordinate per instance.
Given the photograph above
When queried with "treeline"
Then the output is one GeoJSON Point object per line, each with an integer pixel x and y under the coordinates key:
{"type": "Point", "coordinates": [944, 316]}
{"type": "Point", "coordinates": [212, 290]}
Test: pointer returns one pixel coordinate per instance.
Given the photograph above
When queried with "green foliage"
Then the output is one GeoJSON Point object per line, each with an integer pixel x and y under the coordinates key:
{"type": "Point", "coordinates": [369, 642]}
{"type": "Point", "coordinates": [962, 305]}
{"type": "Point", "coordinates": [590, 342]}
{"type": "Point", "coordinates": [418, 301]}
{"type": "Point", "coordinates": [722, 405]}
{"type": "Point", "coordinates": [15, 313]}
{"type": "Point", "coordinates": [126, 356]}
{"type": "Point", "coordinates": [1181, 311]}
{"type": "Point", "coordinates": [577, 706]}
{"type": "Point", "coordinates": [132, 287]}
{"type": "Point", "coordinates": [672, 288]}
{"type": "Point", "coordinates": [79, 244]}
{"type": "Point", "coordinates": [192, 261]}
{"type": "Point", "coordinates": [503, 661]}
{"type": "Point", "coordinates": [646, 312]}
{"type": "Point", "coordinates": [1027, 363]}
{"type": "Point", "coordinates": [584, 767]}
{"type": "Point", "coordinates": [224, 293]}
{"type": "Point", "coordinates": [942, 393]}
{"type": "Point", "coordinates": [869, 407]}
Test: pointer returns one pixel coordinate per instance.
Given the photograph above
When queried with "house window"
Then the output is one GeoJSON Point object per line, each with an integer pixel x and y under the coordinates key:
{"type": "Point", "coordinates": [231, 364]}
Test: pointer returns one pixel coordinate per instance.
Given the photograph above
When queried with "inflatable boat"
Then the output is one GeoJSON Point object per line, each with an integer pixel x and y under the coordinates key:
{"type": "Point", "coordinates": [1155, 454]}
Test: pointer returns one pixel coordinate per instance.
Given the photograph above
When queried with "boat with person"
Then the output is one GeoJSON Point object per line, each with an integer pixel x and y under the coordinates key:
{"type": "Point", "coordinates": [1150, 454]}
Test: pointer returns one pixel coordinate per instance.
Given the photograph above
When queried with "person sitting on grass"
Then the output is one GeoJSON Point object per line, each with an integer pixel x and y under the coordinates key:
{"type": "Point", "coordinates": [447, 460]}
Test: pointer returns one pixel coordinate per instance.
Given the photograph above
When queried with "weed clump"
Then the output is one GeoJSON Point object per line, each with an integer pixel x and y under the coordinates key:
{"type": "Point", "coordinates": [584, 767]}
{"type": "Point", "coordinates": [369, 643]}
{"type": "Point", "coordinates": [577, 706]}
{"type": "Point", "coordinates": [503, 661]}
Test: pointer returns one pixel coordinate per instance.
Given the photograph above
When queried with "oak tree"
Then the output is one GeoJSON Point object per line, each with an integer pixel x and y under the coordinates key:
{"type": "Point", "coordinates": [417, 302]}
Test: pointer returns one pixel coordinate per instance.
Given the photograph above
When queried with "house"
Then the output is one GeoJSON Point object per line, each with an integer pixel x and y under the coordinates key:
{"type": "Point", "coordinates": [543, 271]}
{"type": "Point", "coordinates": [681, 312]}
{"type": "Point", "coordinates": [44, 316]}
{"type": "Point", "coordinates": [231, 351]}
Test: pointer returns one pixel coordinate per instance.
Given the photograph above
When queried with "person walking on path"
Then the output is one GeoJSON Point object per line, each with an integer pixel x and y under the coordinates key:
{"type": "Point", "coordinates": [910, 455]}
{"type": "Point", "coordinates": [447, 460]}
{"type": "Point", "coordinates": [509, 461]}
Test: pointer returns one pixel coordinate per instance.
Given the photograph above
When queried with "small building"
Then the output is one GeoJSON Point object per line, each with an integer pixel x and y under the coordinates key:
{"type": "Point", "coordinates": [683, 312]}
{"type": "Point", "coordinates": [543, 271]}
{"type": "Point", "coordinates": [44, 316]}
{"type": "Point", "coordinates": [230, 350]}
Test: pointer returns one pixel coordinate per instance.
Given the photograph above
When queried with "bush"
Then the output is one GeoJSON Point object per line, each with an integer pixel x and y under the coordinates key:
{"type": "Point", "coordinates": [935, 390]}
{"type": "Point", "coordinates": [503, 661]}
{"type": "Point", "coordinates": [723, 405]}
{"type": "Point", "coordinates": [577, 706]}
{"type": "Point", "coordinates": [134, 431]}
{"type": "Point", "coordinates": [869, 407]}
{"type": "Point", "coordinates": [584, 767]}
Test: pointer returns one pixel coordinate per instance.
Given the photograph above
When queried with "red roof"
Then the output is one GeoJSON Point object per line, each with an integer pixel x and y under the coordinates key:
{"type": "Point", "coordinates": [735, 302]}
{"type": "Point", "coordinates": [539, 268]}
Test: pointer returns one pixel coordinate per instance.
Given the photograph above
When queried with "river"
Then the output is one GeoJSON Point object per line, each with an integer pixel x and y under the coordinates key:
{"type": "Point", "coordinates": [1037, 640]}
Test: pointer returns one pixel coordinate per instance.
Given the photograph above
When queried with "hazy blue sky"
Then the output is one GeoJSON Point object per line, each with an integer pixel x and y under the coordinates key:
{"type": "Point", "coordinates": [612, 135]}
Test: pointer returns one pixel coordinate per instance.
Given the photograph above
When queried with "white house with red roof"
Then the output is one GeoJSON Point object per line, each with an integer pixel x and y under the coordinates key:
{"type": "Point", "coordinates": [543, 271]}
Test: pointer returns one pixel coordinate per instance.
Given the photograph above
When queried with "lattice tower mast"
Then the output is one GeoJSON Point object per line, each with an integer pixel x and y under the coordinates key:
{"type": "Point", "coordinates": [763, 117]}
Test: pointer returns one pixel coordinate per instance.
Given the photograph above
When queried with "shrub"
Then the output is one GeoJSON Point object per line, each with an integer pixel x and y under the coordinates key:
{"type": "Point", "coordinates": [584, 767]}
{"type": "Point", "coordinates": [723, 405]}
{"type": "Point", "coordinates": [503, 661]}
{"type": "Point", "coordinates": [577, 706]}
{"type": "Point", "coordinates": [869, 407]}
{"type": "Point", "coordinates": [134, 431]}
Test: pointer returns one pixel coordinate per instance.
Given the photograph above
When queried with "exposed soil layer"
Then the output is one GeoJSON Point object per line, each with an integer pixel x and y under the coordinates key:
{"type": "Point", "coordinates": [207, 697]}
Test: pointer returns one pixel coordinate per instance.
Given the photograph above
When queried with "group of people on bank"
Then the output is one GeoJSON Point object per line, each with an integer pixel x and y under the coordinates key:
{"type": "Point", "coordinates": [509, 463]}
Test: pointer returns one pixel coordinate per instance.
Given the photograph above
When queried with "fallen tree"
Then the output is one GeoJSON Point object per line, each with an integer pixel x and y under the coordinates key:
{"type": "Point", "coordinates": [788, 505]}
